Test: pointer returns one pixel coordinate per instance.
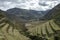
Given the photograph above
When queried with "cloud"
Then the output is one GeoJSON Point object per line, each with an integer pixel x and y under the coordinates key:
{"type": "Point", "coordinates": [29, 4]}
{"type": "Point", "coordinates": [6, 5]}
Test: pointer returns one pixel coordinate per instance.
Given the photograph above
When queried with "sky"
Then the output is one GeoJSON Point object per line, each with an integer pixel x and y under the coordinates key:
{"type": "Point", "coordinates": [40, 5]}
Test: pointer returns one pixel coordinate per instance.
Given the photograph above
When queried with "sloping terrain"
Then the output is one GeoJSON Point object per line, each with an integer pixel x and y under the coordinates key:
{"type": "Point", "coordinates": [53, 13]}
{"type": "Point", "coordinates": [49, 30]}
{"type": "Point", "coordinates": [8, 30]}
{"type": "Point", "coordinates": [33, 24]}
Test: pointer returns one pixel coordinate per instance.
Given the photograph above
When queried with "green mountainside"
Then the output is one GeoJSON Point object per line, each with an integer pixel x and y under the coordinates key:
{"type": "Point", "coordinates": [49, 30]}
{"type": "Point", "coordinates": [8, 30]}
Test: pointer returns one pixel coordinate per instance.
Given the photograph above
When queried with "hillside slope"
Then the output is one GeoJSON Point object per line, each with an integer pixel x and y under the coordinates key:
{"type": "Point", "coordinates": [53, 13]}
{"type": "Point", "coordinates": [8, 30]}
{"type": "Point", "coordinates": [49, 30]}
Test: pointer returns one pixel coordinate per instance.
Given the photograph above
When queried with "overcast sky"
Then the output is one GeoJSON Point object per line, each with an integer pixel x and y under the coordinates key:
{"type": "Point", "coordinates": [40, 5]}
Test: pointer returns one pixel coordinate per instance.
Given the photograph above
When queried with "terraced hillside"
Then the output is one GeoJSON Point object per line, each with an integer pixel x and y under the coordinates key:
{"type": "Point", "coordinates": [8, 31]}
{"type": "Point", "coordinates": [49, 30]}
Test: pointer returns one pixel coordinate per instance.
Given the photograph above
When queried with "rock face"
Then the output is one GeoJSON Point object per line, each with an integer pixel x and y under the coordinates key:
{"type": "Point", "coordinates": [49, 30]}
{"type": "Point", "coordinates": [8, 31]}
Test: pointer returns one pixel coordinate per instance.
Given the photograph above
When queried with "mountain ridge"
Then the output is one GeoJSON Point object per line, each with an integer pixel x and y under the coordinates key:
{"type": "Point", "coordinates": [26, 14]}
{"type": "Point", "coordinates": [52, 13]}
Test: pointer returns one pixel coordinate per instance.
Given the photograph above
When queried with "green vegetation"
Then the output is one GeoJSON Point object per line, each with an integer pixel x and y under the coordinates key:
{"type": "Point", "coordinates": [45, 30]}
{"type": "Point", "coordinates": [49, 30]}
{"type": "Point", "coordinates": [8, 31]}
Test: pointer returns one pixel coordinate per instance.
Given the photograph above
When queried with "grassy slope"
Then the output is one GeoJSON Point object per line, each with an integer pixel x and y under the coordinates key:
{"type": "Point", "coordinates": [8, 31]}
{"type": "Point", "coordinates": [49, 29]}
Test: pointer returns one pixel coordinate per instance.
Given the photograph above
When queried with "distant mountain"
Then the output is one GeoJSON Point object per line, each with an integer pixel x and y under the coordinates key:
{"type": "Point", "coordinates": [25, 15]}
{"type": "Point", "coordinates": [53, 13]}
